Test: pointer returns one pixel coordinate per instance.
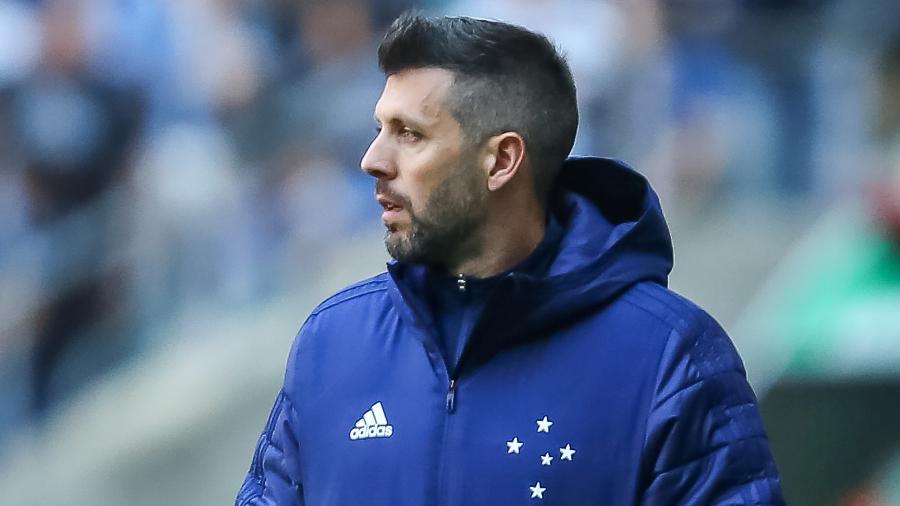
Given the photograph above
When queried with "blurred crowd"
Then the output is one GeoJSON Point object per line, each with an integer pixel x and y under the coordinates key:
{"type": "Point", "coordinates": [157, 155]}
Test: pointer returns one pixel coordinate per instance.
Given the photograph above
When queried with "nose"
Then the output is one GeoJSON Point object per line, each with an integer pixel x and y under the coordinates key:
{"type": "Point", "coordinates": [377, 161]}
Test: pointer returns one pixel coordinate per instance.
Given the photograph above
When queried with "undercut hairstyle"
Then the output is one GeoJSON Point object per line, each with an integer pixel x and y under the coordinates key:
{"type": "Point", "coordinates": [506, 78]}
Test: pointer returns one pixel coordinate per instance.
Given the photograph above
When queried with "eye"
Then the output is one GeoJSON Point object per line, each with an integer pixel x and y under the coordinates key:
{"type": "Point", "coordinates": [409, 135]}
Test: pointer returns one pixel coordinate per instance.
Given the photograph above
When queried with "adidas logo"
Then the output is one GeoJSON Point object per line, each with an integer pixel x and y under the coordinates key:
{"type": "Point", "coordinates": [373, 424]}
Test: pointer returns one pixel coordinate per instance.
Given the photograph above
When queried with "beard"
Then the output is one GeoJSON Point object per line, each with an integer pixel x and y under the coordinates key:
{"type": "Point", "coordinates": [447, 229]}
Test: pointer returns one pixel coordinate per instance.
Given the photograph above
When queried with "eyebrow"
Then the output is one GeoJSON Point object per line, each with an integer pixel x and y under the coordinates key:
{"type": "Point", "coordinates": [400, 117]}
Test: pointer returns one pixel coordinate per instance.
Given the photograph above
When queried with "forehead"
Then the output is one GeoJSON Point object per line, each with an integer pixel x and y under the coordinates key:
{"type": "Point", "coordinates": [416, 95]}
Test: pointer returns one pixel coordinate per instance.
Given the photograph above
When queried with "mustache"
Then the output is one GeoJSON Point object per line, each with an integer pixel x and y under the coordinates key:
{"type": "Point", "coordinates": [381, 188]}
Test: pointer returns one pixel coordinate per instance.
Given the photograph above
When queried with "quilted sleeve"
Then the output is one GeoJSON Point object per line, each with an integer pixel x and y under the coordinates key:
{"type": "Point", "coordinates": [705, 441]}
{"type": "Point", "coordinates": [274, 476]}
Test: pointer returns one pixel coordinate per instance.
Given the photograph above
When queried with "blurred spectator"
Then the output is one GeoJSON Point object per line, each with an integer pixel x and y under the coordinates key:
{"type": "Point", "coordinates": [306, 136]}
{"type": "Point", "coordinates": [187, 229]}
{"type": "Point", "coordinates": [778, 38]}
{"type": "Point", "coordinates": [74, 135]}
{"type": "Point", "coordinates": [721, 123]}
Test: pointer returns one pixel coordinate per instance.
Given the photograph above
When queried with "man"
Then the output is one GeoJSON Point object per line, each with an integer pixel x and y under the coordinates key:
{"type": "Point", "coordinates": [522, 348]}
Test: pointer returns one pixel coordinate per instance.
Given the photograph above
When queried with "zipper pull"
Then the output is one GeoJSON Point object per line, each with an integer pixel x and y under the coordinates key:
{"type": "Point", "coordinates": [451, 397]}
{"type": "Point", "coordinates": [461, 283]}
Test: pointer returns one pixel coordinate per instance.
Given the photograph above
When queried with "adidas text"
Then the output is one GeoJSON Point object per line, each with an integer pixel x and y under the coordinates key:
{"type": "Point", "coordinates": [373, 424]}
{"type": "Point", "coordinates": [367, 432]}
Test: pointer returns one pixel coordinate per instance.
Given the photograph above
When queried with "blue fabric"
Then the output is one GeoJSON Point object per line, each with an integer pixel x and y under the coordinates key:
{"type": "Point", "coordinates": [455, 312]}
{"type": "Point", "coordinates": [644, 386]}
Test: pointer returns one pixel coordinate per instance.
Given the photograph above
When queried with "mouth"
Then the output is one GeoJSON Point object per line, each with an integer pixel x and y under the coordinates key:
{"type": "Point", "coordinates": [388, 204]}
{"type": "Point", "coordinates": [392, 210]}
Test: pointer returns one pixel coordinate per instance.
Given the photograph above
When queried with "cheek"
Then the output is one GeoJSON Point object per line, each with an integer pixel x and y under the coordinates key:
{"type": "Point", "coordinates": [418, 202]}
{"type": "Point", "coordinates": [419, 185]}
{"type": "Point", "coordinates": [428, 170]}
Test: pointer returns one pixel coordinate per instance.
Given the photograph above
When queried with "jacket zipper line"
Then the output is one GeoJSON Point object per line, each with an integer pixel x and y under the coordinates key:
{"type": "Point", "coordinates": [451, 397]}
{"type": "Point", "coordinates": [443, 479]}
{"type": "Point", "coordinates": [451, 389]}
{"type": "Point", "coordinates": [442, 488]}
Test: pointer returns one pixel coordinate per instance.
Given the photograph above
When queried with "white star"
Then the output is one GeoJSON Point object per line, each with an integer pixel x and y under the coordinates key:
{"type": "Point", "coordinates": [566, 452]}
{"type": "Point", "coordinates": [514, 445]}
{"type": "Point", "coordinates": [546, 459]}
{"type": "Point", "coordinates": [537, 491]}
{"type": "Point", "coordinates": [544, 425]}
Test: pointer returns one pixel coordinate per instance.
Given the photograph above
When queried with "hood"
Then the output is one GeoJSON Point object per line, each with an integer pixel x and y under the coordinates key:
{"type": "Point", "coordinates": [614, 236]}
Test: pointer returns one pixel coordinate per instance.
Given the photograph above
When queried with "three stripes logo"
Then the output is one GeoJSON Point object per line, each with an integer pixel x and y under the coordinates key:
{"type": "Point", "coordinates": [373, 424]}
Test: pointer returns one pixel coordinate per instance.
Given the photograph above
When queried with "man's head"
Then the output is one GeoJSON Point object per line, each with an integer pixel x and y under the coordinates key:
{"type": "Point", "coordinates": [471, 109]}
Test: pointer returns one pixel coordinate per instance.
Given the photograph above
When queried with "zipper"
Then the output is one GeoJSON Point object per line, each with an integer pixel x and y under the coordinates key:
{"type": "Point", "coordinates": [451, 397]}
{"type": "Point", "coordinates": [444, 471]}
{"type": "Point", "coordinates": [451, 390]}
{"type": "Point", "coordinates": [444, 490]}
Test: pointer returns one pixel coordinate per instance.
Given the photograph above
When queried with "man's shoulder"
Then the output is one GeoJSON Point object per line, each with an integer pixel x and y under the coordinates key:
{"type": "Point", "coordinates": [694, 334]}
{"type": "Point", "coordinates": [336, 323]}
{"type": "Point", "coordinates": [348, 309]}
{"type": "Point", "coordinates": [359, 291]}
{"type": "Point", "coordinates": [669, 308]}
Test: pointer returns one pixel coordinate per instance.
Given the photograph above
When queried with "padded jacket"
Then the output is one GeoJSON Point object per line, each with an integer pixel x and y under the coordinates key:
{"type": "Point", "coordinates": [588, 384]}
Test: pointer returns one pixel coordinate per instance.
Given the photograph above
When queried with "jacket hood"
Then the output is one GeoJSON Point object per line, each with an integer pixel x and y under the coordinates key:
{"type": "Point", "coordinates": [614, 236]}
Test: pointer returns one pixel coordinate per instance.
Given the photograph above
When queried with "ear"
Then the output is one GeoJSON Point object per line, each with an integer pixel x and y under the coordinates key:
{"type": "Point", "coordinates": [506, 154]}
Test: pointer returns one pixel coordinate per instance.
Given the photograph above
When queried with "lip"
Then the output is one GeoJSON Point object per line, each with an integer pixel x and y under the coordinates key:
{"type": "Point", "coordinates": [391, 208]}
{"type": "Point", "coordinates": [387, 203]}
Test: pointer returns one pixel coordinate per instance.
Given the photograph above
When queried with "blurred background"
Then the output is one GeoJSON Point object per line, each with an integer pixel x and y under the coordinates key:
{"type": "Point", "coordinates": [179, 186]}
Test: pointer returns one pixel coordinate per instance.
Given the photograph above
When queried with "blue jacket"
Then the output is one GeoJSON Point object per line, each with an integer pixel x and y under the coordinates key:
{"type": "Point", "coordinates": [589, 384]}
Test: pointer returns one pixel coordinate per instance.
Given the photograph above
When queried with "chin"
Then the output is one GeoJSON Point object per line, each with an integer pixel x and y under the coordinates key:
{"type": "Point", "coordinates": [400, 248]}
{"type": "Point", "coordinates": [395, 242]}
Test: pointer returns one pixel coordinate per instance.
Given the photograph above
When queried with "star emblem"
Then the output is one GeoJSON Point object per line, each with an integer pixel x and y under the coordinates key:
{"type": "Point", "coordinates": [566, 453]}
{"type": "Point", "coordinates": [514, 445]}
{"type": "Point", "coordinates": [544, 425]}
{"type": "Point", "coordinates": [537, 491]}
{"type": "Point", "coordinates": [546, 459]}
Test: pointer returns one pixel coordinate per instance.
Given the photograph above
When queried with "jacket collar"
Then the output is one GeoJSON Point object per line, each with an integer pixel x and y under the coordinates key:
{"type": "Point", "coordinates": [612, 235]}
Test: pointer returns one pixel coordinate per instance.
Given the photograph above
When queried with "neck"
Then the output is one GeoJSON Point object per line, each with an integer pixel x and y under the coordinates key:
{"type": "Point", "coordinates": [506, 241]}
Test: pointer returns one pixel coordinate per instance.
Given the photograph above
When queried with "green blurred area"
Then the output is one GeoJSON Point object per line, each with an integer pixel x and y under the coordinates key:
{"type": "Point", "coordinates": [833, 318]}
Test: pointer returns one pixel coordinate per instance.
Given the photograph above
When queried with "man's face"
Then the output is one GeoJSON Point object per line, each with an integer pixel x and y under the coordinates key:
{"type": "Point", "coordinates": [428, 180]}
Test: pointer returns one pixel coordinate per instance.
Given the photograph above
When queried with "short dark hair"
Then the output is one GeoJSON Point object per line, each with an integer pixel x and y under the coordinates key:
{"type": "Point", "coordinates": [506, 78]}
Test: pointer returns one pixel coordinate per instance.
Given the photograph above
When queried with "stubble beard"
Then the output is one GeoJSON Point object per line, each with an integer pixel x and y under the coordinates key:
{"type": "Point", "coordinates": [448, 229]}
